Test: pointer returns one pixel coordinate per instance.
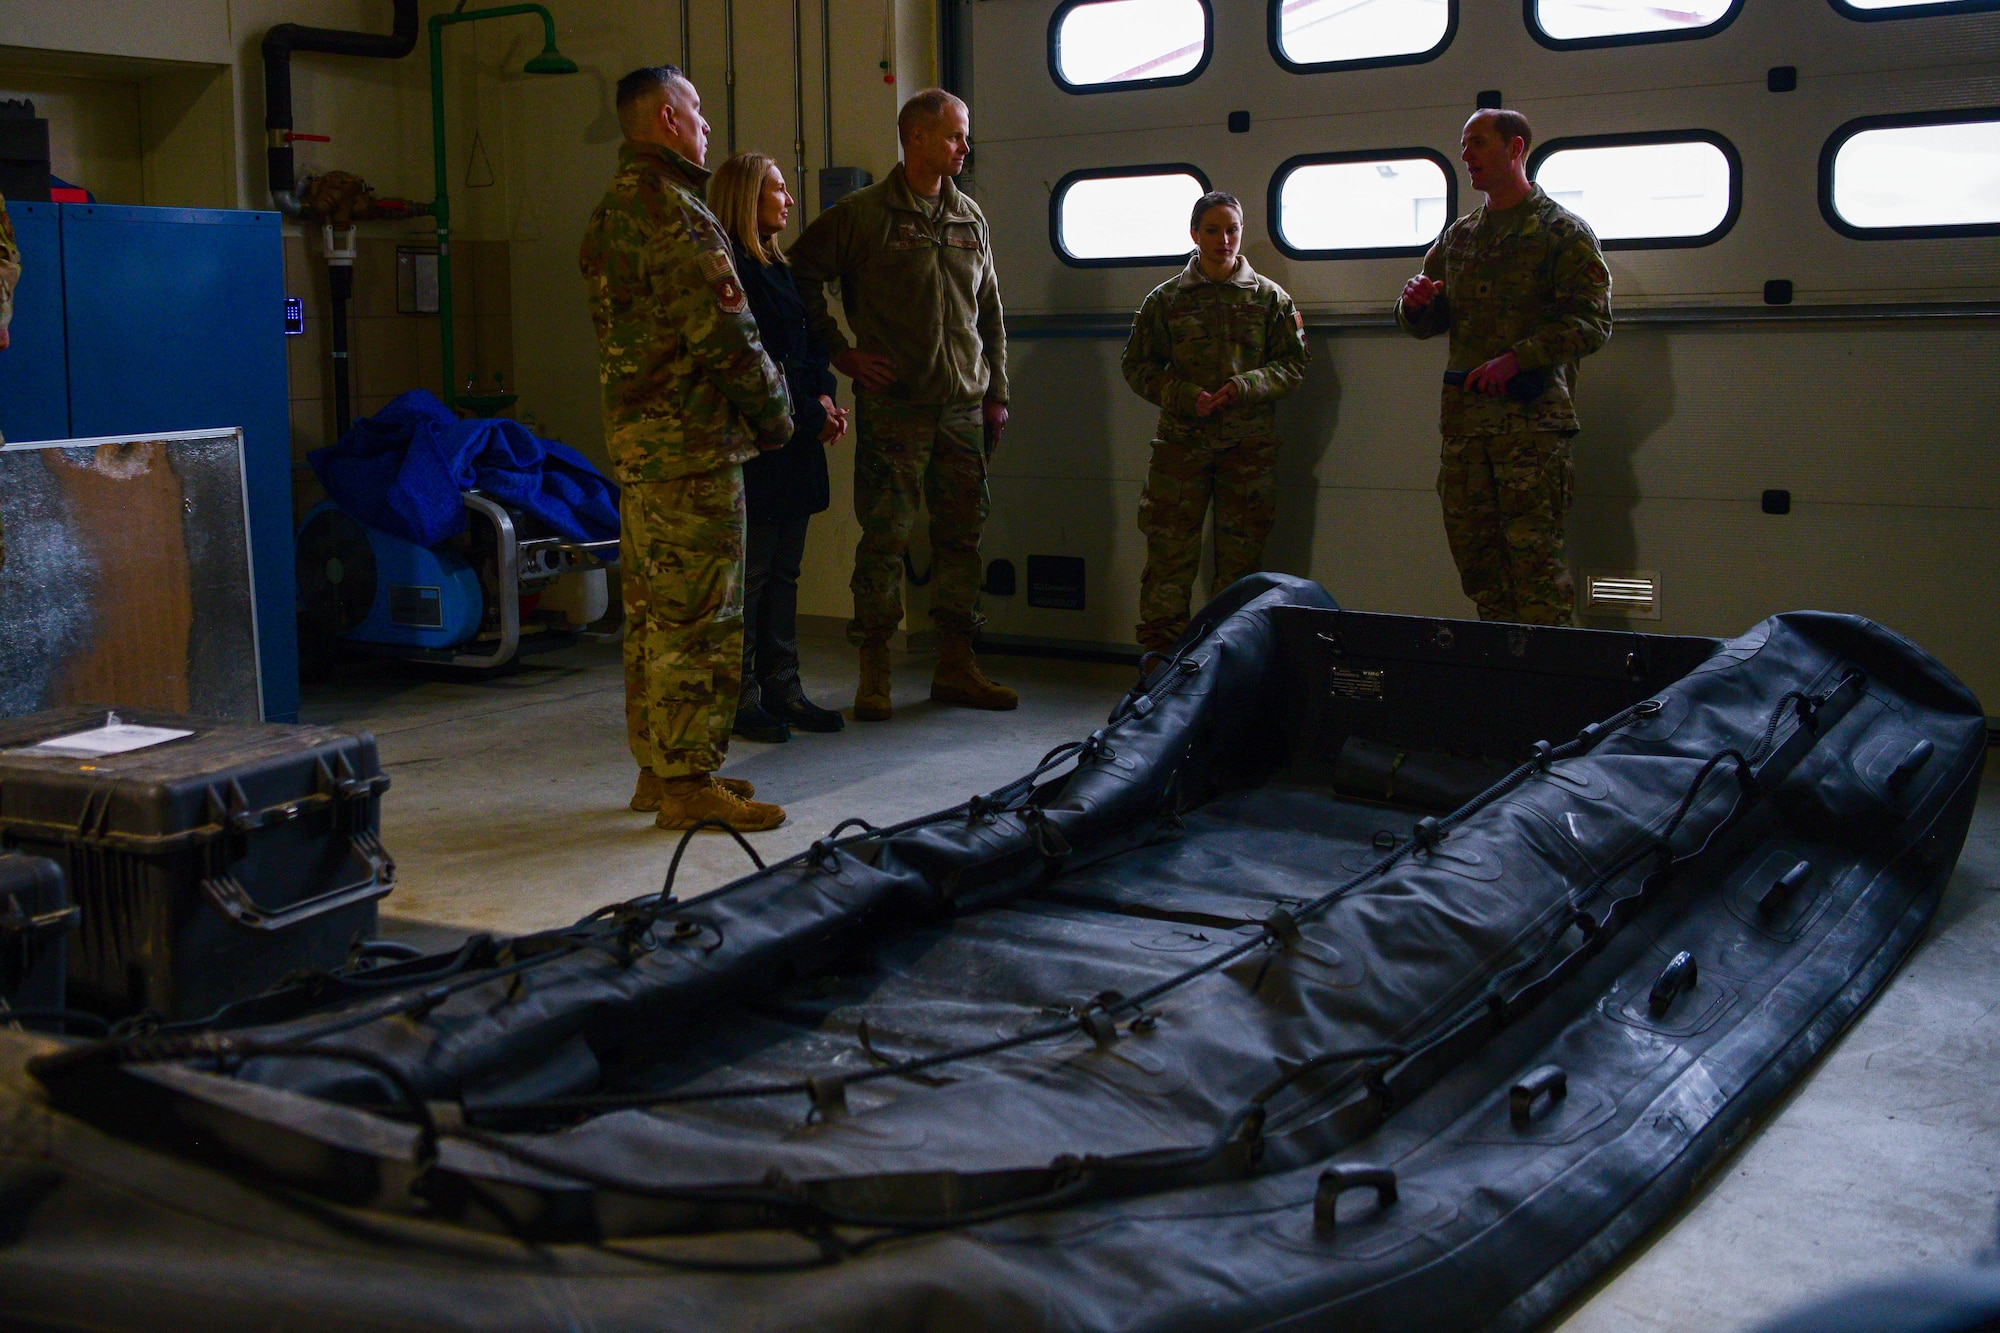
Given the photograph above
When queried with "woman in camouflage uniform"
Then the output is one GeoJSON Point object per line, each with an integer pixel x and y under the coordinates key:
{"type": "Point", "coordinates": [1215, 348]}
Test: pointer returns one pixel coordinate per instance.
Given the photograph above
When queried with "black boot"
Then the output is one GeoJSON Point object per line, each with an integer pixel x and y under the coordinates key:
{"type": "Point", "coordinates": [754, 723]}
{"type": "Point", "coordinates": [806, 715]}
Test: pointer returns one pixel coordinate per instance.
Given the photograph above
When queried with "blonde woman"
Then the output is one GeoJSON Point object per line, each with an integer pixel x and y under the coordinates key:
{"type": "Point", "coordinates": [784, 488]}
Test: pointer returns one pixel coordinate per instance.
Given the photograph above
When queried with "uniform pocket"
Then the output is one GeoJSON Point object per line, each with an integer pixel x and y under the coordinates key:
{"type": "Point", "coordinates": [1247, 326]}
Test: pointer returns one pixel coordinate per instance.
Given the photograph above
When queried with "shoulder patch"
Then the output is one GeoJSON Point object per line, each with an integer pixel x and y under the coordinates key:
{"type": "Point", "coordinates": [721, 275]}
{"type": "Point", "coordinates": [715, 264]}
{"type": "Point", "coordinates": [1298, 318]}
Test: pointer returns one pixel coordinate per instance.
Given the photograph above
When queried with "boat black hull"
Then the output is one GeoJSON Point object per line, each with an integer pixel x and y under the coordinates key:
{"type": "Point", "coordinates": [1108, 1136]}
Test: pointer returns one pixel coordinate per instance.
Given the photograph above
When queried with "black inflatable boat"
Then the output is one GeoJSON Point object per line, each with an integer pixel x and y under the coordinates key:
{"type": "Point", "coordinates": [1362, 972]}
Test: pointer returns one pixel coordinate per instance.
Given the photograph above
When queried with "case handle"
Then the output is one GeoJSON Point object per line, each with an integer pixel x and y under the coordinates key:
{"type": "Point", "coordinates": [1336, 1181]}
{"type": "Point", "coordinates": [230, 898]}
{"type": "Point", "coordinates": [1548, 1079]}
{"type": "Point", "coordinates": [29, 928]}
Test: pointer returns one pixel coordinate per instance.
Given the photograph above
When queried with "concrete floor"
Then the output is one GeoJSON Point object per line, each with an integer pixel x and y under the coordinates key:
{"type": "Point", "coordinates": [509, 814]}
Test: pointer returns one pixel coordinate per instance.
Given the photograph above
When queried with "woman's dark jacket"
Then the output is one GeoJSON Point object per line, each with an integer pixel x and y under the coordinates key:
{"type": "Point", "coordinates": [787, 484]}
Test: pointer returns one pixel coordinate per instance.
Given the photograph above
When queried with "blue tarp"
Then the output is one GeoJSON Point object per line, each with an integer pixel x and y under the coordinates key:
{"type": "Point", "coordinates": [401, 471]}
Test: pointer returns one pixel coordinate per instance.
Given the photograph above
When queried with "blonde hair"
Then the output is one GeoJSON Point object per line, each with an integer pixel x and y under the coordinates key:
{"type": "Point", "coordinates": [733, 195]}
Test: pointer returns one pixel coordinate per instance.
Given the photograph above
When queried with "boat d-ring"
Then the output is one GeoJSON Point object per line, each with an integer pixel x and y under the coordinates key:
{"type": "Point", "coordinates": [1549, 1080]}
{"type": "Point", "coordinates": [1917, 756]}
{"type": "Point", "coordinates": [1677, 978]}
{"type": "Point", "coordinates": [1784, 888]}
{"type": "Point", "coordinates": [1336, 1181]}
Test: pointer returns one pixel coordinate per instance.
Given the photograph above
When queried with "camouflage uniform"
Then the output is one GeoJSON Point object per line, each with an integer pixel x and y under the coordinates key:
{"type": "Point", "coordinates": [688, 395]}
{"type": "Point", "coordinates": [917, 283]}
{"type": "Point", "coordinates": [10, 274]}
{"type": "Point", "coordinates": [1529, 279]}
{"type": "Point", "coordinates": [1191, 336]}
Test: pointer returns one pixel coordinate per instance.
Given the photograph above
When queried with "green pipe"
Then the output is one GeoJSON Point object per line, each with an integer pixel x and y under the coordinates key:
{"type": "Point", "coordinates": [550, 61]}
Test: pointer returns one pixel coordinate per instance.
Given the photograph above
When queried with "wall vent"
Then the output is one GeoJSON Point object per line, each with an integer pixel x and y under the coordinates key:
{"type": "Point", "coordinates": [1633, 593]}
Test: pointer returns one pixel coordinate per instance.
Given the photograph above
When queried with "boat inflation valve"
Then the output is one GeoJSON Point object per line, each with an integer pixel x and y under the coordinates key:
{"type": "Point", "coordinates": [1676, 979]}
{"type": "Point", "coordinates": [1336, 1181]}
{"type": "Point", "coordinates": [1784, 888]}
{"type": "Point", "coordinates": [1549, 1080]}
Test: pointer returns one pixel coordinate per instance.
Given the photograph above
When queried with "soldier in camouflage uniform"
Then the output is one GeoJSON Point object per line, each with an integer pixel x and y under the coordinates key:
{"type": "Point", "coordinates": [1215, 347]}
{"type": "Point", "coordinates": [914, 260]}
{"type": "Point", "coordinates": [1521, 287]}
{"type": "Point", "coordinates": [689, 394]}
{"type": "Point", "coordinates": [10, 274]}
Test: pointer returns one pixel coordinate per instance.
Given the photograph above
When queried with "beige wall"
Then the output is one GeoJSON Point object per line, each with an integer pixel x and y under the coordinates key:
{"type": "Point", "coordinates": [161, 102]}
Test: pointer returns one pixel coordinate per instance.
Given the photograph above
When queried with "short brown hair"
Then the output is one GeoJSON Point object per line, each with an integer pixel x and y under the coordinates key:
{"type": "Point", "coordinates": [1509, 125]}
{"type": "Point", "coordinates": [734, 192]}
{"type": "Point", "coordinates": [1213, 199]}
{"type": "Point", "coordinates": [925, 108]}
{"type": "Point", "coordinates": [641, 92]}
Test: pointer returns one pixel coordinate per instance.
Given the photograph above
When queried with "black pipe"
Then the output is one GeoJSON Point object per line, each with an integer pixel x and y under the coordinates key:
{"type": "Point", "coordinates": [340, 280]}
{"type": "Point", "coordinates": [279, 43]}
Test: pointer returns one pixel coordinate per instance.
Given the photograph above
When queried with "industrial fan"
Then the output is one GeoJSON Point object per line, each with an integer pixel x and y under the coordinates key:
{"type": "Point", "coordinates": [360, 584]}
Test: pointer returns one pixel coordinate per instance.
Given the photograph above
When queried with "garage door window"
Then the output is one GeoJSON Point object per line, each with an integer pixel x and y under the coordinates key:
{"type": "Point", "coordinates": [1906, 176]}
{"type": "Point", "coordinates": [1103, 45]}
{"type": "Point", "coordinates": [1645, 190]}
{"type": "Point", "coordinates": [1308, 35]}
{"type": "Point", "coordinates": [1352, 205]}
{"type": "Point", "coordinates": [1125, 215]}
{"type": "Point", "coordinates": [1584, 23]}
{"type": "Point", "coordinates": [1911, 9]}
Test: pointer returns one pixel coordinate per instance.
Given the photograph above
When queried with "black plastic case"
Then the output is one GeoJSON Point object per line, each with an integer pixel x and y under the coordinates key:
{"type": "Point", "coordinates": [35, 916]}
{"type": "Point", "coordinates": [207, 868]}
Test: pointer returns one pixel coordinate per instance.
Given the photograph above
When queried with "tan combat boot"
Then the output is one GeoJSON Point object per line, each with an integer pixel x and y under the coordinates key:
{"type": "Point", "coordinates": [646, 796]}
{"type": "Point", "coordinates": [685, 802]}
{"type": "Point", "coordinates": [871, 696]}
{"type": "Point", "coordinates": [958, 679]}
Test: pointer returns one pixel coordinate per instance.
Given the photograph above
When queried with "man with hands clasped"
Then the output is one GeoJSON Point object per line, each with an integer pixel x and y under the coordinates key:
{"type": "Point", "coordinates": [1215, 348]}
{"type": "Point", "coordinates": [1521, 287]}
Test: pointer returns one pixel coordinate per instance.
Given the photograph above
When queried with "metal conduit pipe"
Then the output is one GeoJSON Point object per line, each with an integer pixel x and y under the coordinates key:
{"type": "Point", "coordinates": [799, 103]}
{"type": "Point", "coordinates": [826, 78]}
{"type": "Point", "coordinates": [729, 73]}
{"type": "Point", "coordinates": [279, 43]}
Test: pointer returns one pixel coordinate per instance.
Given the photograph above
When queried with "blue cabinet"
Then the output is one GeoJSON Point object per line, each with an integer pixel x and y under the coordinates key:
{"type": "Point", "coordinates": [169, 319]}
{"type": "Point", "coordinates": [34, 370]}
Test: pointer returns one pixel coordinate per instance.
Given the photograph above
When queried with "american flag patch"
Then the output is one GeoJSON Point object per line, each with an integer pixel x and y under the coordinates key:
{"type": "Point", "coordinates": [715, 265]}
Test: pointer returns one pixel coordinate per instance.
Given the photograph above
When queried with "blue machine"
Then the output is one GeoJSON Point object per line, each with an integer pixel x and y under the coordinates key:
{"type": "Point", "coordinates": [501, 590]}
{"type": "Point", "coordinates": [414, 596]}
{"type": "Point", "coordinates": [132, 320]}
